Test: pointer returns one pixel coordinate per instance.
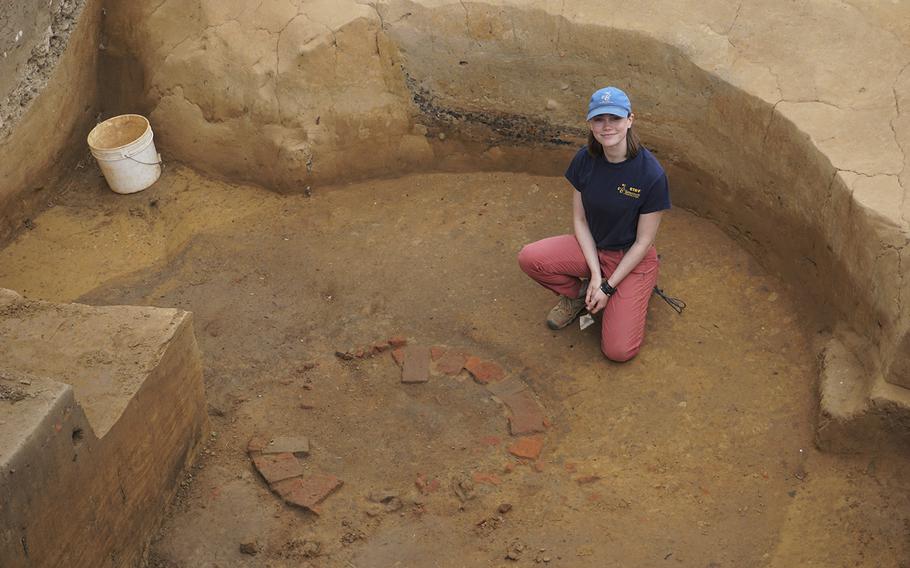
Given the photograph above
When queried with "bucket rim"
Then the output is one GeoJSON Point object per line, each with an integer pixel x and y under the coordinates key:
{"type": "Point", "coordinates": [148, 127]}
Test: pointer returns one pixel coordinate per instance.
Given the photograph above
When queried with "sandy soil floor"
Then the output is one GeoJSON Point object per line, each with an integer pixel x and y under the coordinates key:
{"type": "Point", "coordinates": [689, 455]}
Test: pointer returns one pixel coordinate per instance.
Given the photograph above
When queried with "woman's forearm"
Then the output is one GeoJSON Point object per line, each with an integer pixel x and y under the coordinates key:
{"type": "Point", "coordinates": [588, 247]}
{"type": "Point", "coordinates": [644, 238]}
{"type": "Point", "coordinates": [630, 260]}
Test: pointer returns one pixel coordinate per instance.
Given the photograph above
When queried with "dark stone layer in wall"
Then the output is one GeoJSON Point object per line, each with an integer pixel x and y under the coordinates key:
{"type": "Point", "coordinates": [33, 36]}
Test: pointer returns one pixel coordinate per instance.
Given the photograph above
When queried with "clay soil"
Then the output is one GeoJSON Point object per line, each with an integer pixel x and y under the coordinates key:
{"type": "Point", "coordinates": [689, 455]}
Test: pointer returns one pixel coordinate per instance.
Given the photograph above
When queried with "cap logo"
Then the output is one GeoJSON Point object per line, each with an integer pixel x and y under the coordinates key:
{"type": "Point", "coordinates": [606, 97]}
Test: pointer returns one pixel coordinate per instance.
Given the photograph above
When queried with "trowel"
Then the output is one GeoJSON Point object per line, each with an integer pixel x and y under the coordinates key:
{"type": "Point", "coordinates": [585, 320]}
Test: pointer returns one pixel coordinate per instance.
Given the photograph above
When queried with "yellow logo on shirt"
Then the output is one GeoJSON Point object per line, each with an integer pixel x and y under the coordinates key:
{"type": "Point", "coordinates": [629, 191]}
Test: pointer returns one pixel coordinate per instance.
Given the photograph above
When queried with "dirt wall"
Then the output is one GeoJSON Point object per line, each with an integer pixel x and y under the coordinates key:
{"type": "Point", "coordinates": [112, 411]}
{"type": "Point", "coordinates": [47, 98]}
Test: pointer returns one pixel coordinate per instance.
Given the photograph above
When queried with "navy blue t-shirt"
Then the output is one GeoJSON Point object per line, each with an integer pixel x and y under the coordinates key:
{"type": "Point", "coordinates": [614, 195]}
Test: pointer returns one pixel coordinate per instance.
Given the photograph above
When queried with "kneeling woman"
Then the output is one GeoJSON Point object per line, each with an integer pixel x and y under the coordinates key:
{"type": "Point", "coordinates": [621, 191]}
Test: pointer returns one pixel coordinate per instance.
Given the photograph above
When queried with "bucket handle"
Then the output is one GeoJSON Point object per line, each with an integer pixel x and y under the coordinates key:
{"type": "Point", "coordinates": [145, 163]}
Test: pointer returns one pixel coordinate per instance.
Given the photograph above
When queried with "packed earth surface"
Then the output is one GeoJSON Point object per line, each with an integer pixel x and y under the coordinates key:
{"type": "Point", "coordinates": [699, 452]}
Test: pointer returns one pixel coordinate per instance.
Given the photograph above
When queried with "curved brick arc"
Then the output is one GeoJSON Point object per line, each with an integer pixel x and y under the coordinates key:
{"type": "Point", "coordinates": [526, 418]}
{"type": "Point", "coordinates": [802, 158]}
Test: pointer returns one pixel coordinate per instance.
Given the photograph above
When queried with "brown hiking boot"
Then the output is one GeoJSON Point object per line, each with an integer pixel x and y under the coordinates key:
{"type": "Point", "coordinates": [565, 311]}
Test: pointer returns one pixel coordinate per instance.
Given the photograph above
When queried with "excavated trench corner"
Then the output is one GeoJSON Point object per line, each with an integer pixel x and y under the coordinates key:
{"type": "Point", "coordinates": [293, 96]}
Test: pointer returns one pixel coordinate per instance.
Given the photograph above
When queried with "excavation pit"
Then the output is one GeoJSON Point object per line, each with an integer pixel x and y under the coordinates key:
{"type": "Point", "coordinates": [760, 428]}
{"type": "Point", "coordinates": [707, 423]}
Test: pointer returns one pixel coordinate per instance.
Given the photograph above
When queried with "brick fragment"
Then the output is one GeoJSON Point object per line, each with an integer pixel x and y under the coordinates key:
{"type": "Point", "coordinates": [587, 479]}
{"type": "Point", "coordinates": [256, 444]}
{"type": "Point", "coordinates": [277, 467]}
{"type": "Point", "coordinates": [380, 347]}
{"type": "Point", "coordinates": [528, 447]}
{"type": "Point", "coordinates": [507, 387]}
{"type": "Point", "coordinates": [526, 414]}
{"type": "Point", "coordinates": [452, 362]}
{"type": "Point", "coordinates": [398, 355]}
{"type": "Point", "coordinates": [437, 351]}
{"type": "Point", "coordinates": [484, 371]}
{"type": "Point", "coordinates": [398, 341]}
{"type": "Point", "coordinates": [416, 367]}
{"type": "Point", "coordinates": [427, 486]}
{"type": "Point", "coordinates": [487, 478]}
{"type": "Point", "coordinates": [359, 353]}
{"type": "Point", "coordinates": [297, 445]}
{"type": "Point", "coordinates": [308, 491]}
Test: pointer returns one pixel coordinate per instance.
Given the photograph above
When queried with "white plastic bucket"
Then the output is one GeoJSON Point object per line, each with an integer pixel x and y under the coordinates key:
{"type": "Point", "coordinates": [125, 149]}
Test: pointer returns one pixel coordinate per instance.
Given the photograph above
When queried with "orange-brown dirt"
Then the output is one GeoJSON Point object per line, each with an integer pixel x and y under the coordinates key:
{"type": "Point", "coordinates": [689, 455]}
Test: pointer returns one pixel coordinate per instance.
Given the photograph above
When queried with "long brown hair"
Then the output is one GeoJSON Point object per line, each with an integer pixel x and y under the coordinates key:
{"type": "Point", "coordinates": [633, 144]}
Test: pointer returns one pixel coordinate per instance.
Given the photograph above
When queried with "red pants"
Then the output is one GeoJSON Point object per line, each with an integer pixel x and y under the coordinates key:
{"type": "Point", "coordinates": [557, 263]}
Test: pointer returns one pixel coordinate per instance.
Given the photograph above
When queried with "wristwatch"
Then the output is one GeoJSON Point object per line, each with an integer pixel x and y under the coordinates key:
{"type": "Point", "coordinates": [607, 289]}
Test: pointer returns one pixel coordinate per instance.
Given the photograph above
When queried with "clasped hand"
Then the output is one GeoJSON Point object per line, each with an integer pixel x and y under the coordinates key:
{"type": "Point", "coordinates": [595, 299]}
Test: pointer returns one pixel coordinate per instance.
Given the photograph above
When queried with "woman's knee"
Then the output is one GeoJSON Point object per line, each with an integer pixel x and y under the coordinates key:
{"type": "Point", "coordinates": [619, 352]}
{"type": "Point", "coordinates": [527, 259]}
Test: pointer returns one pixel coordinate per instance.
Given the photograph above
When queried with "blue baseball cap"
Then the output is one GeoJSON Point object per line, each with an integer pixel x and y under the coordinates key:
{"type": "Point", "coordinates": [609, 100]}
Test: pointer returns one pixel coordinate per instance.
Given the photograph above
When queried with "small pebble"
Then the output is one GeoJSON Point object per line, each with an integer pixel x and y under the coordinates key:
{"type": "Point", "coordinates": [251, 548]}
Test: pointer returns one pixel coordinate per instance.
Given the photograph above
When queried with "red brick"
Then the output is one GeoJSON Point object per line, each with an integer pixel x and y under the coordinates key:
{"type": "Point", "coordinates": [309, 491]}
{"type": "Point", "coordinates": [398, 341]}
{"type": "Point", "coordinates": [487, 478]}
{"type": "Point", "coordinates": [380, 346]}
{"type": "Point", "coordinates": [398, 355]}
{"type": "Point", "coordinates": [484, 371]}
{"type": "Point", "coordinates": [528, 447]}
{"type": "Point", "coordinates": [275, 467]}
{"type": "Point", "coordinates": [256, 444]}
{"type": "Point", "coordinates": [586, 479]}
{"type": "Point", "coordinates": [452, 362]}
{"type": "Point", "coordinates": [526, 416]}
{"type": "Point", "coordinates": [437, 351]}
{"type": "Point", "coordinates": [416, 367]}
